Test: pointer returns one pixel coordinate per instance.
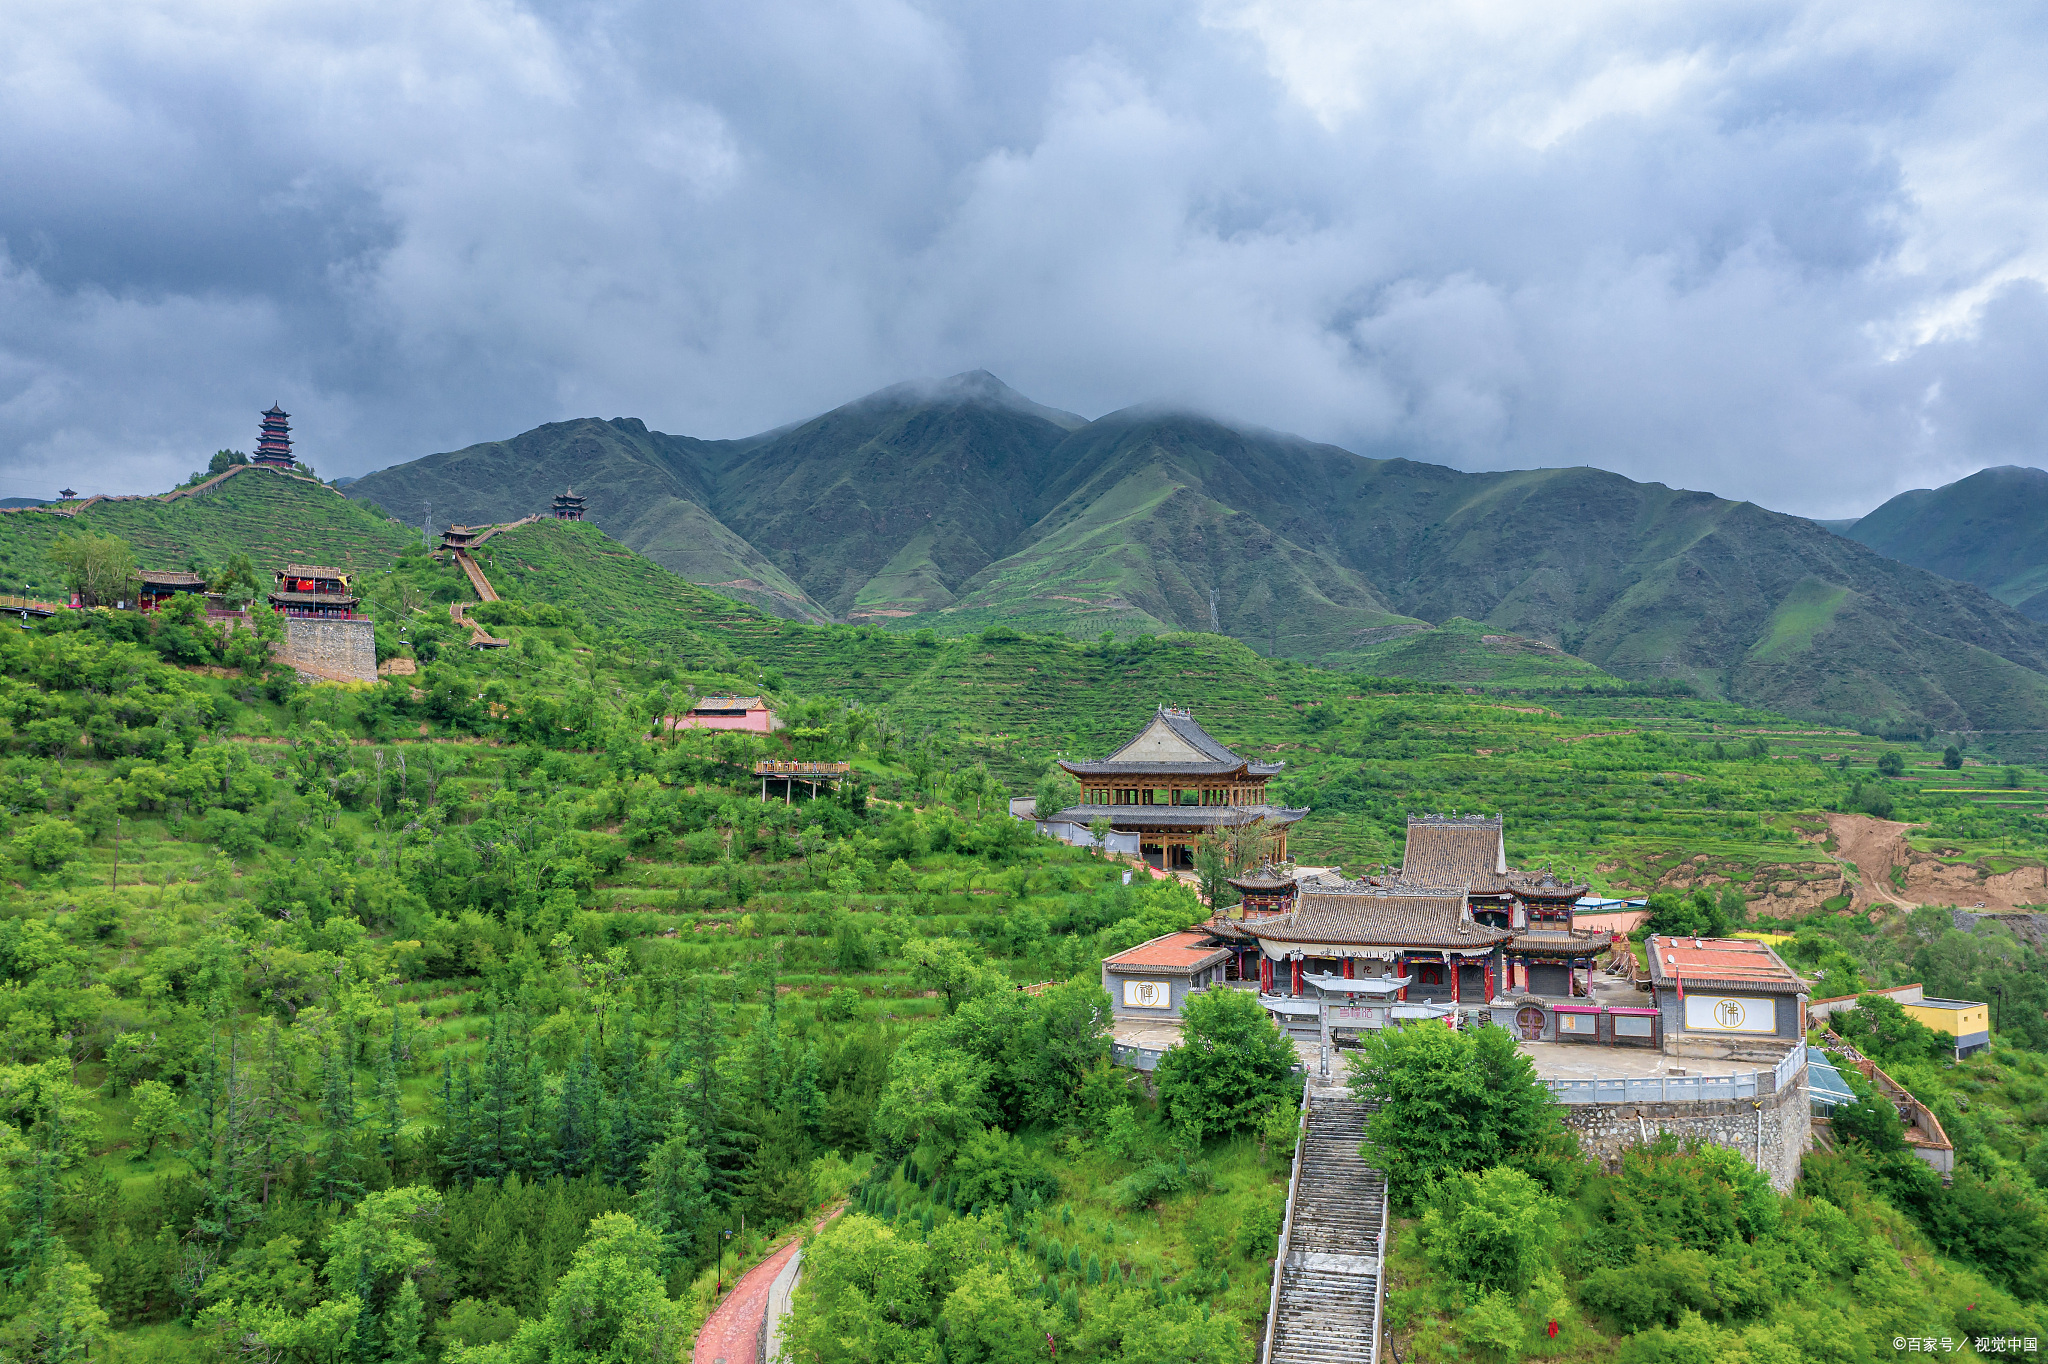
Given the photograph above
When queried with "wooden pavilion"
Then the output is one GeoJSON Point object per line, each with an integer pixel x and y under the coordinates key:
{"type": "Point", "coordinates": [158, 587]}
{"type": "Point", "coordinates": [568, 506]}
{"type": "Point", "coordinates": [1170, 784]}
{"type": "Point", "coordinates": [313, 592]}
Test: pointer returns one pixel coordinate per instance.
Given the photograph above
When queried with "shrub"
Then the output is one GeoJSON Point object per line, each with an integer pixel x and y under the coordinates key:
{"type": "Point", "coordinates": [1491, 1231]}
{"type": "Point", "coordinates": [1230, 1067]}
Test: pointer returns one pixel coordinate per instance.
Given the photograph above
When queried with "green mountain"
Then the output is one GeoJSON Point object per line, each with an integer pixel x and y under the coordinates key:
{"type": "Point", "coordinates": [959, 505]}
{"type": "Point", "coordinates": [1985, 529]}
{"type": "Point", "coordinates": [273, 518]}
{"type": "Point", "coordinates": [649, 490]}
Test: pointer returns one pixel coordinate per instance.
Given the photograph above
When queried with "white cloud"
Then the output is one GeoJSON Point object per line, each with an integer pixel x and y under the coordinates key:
{"type": "Point", "coordinates": [1729, 247]}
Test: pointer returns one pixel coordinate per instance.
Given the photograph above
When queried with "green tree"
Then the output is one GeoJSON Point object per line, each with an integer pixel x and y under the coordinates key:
{"type": "Point", "coordinates": [1491, 1230]}
{"type": "Point", "coordinates": [932, 1102]}
{"type": "Point", "coordinates": [1952, 758]}
{"type": "Point", "coordinates": [1448, 1101]}
{"type": "Point", "coordinates": [985, 1320]}
{"type": "Point", "coordinates": [1056, 791]}
{"type": "Point", "coordinates": [157, 1113]}
{"type": "Point", "coordinates": [1232, 1064]}
{"type": "Point", "coordinates": [62, 1320]}
{"type": "Point", "coordinates": [49, 844]}
{"type": "Point", "coordinates": [675, 1193]}
{"type": "Point", "coordinates": [99, 568]}
{"type": "Point", "coordinates": [863, 1298]}
{"type": "Point", "coordinates": [952, 968]}
{"type": "Point", "coordinates": [1891, 765]}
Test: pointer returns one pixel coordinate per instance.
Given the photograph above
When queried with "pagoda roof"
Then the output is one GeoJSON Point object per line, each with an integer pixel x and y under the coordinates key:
{"type": "Point", "coordinates": [1551, 942]}
{"type": "Point", "coordinates": [152, 577]}
{"type": "Point", "coordinates": [1529, 886]}
{"type": "Point", "coordinates": [314, 571]}
{"type": "Point", "coordinates": [703, 703]}
{"type": "Point", "coordinates": [1265, 878]}
{"type": "Point", "coordinates": [1177, 816]}
{"type": "Point", "coordinates": [1449, 848]}
{"type": "Point", "coordinates": [1378, 916]}
{"type": "Point", "coordinates": [276, 411]}
{"type": "Point", "coordinates": [1171, 744]}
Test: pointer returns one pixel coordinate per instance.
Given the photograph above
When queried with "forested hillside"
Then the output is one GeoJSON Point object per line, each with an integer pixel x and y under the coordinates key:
{"type": "Point", "coordinates": [462, 1016]}
{"type": "Point", "coordinates": [960, 505]}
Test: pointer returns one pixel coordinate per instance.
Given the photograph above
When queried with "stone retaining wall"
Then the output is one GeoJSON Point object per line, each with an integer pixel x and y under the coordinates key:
{"type": "Point", "coordinates": [331, 650]}
{"type": "Point", "coordinates": [1785, 1129]}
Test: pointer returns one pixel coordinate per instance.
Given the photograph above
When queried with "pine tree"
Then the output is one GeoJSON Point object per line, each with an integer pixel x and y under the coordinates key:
{"type": "Point", "coordinates": [626, 1133]}
{"type": "Point", "coordinates": [338, 1119]}
{"type": "Point", "coordinates": [496, 1127]}
{"type": "Point", "coordinates": [390, 1101]}
{"type": "Point", "coordinates": [675, 1196]}
{"type": "Point", "coordinates": [574, 1111]}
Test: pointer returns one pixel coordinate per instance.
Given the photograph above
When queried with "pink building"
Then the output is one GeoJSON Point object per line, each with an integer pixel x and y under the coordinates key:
{"type": "Point", "coordinates": [727, 712]}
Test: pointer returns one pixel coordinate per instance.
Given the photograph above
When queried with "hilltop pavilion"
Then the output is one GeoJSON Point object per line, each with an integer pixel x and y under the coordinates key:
{"type": "Point", "coordinates": [1170, 784]}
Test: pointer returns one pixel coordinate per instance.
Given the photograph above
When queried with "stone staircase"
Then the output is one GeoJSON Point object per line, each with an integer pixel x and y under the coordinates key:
{"type": "Point", "coordinates": [1327, 1301]}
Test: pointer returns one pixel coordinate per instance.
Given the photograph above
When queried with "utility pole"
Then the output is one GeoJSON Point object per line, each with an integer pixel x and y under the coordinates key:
{"type": "Point", "coordinates": [117, 852]}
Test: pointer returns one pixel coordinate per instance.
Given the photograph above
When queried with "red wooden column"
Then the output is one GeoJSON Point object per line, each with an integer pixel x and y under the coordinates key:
{"type": "Point", "coordinates": [1401, 969]}
{"type": "Point", "coordinates": [1452, 964]}
{"type": "Point", "coordinates": [1265, 974]}
{"type": "Point", "coordinates": [1349, 974]}
{"type": "Point", "coordinates": [1294, 975]}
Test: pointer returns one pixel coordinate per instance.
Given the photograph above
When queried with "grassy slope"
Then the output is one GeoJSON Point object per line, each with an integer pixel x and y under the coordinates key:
{"type": "Point", "coordinates": [647, 489]}
{"type": "Point", "coordinates": [1984, 529]}
{"type": "Point", "coordinates": [272, 518]}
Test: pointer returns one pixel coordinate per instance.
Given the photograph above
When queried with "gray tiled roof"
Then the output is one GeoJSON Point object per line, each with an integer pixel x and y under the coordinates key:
{"type": "Point", "coordinates": [1179, 816]}
{"type": "Point", "coordinates": [1103, 767]}
{"type": "Point", "coordinates": [1551, 943]}
{"type": "Point", "coordinates": [1216, 760]}
{"type": "Point", "coordinates": [1378, 917]}
{"type": "Point", "coordinates": [1457, 849]}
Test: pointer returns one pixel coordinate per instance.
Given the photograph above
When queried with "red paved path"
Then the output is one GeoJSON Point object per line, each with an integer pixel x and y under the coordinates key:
{"type": "Point", "coordinates": [735, 1324]}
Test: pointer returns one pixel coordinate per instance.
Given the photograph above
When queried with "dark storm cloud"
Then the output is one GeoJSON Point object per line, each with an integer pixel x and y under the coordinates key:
{"type": "Point", "coordinates": [1790, 253]}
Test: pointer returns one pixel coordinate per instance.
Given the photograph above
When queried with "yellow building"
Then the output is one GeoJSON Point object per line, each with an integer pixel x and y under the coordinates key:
{"type": "Point", "coordinates": [1966, 1020]}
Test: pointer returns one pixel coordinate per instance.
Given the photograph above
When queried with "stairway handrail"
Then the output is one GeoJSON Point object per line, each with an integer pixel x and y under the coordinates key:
{"type": "Point", "coordinates": [1286, 1227]}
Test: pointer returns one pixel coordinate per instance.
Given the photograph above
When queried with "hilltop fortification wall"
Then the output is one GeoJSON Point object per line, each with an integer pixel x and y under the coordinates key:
{"type": "Point", "coordinates": [330, 650]}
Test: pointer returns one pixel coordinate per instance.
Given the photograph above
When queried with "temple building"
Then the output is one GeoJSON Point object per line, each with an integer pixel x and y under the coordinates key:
{"type": "Point", "coordinates": [461, 537]}
{"type": "Point", "coordinates": [274, 441]}
{"type": "Point", "coordinates": [310, 592]}
{"type": "Point", "coordinates": [1169, 785]}
{"type": "Point", "coordinates": [327, 638]}
{"type": "Point", "coordinates": [159, 587]}
{"type": "Point", "coordinates": [568, 506]}
{"type": "Point", "coordinates": [1547, 953]}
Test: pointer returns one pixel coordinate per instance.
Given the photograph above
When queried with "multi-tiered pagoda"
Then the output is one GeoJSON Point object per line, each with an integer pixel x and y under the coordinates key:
{"type": "Point", "coordinates": [274, 443]}
{"type": "Point", "coordinates": [568, 506]}
{"type": "Point", "coordinates": [1170, 785]}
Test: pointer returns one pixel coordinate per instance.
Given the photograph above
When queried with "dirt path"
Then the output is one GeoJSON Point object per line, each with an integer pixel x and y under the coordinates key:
{"type": "Point", "coordinates": [734, 1327]}
{"type": "Point", "coordinates": [1873, 847]}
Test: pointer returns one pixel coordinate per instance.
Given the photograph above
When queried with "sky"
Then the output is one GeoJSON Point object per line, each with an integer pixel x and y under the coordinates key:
{"type": "Point", "coordinates": [1790, 252]}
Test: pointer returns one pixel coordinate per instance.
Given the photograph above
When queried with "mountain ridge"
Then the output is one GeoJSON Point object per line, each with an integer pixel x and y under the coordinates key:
{"type": "Point", "coordinates": [957, 504]}
{"type": "Point", "coordinates": [1983, 529]}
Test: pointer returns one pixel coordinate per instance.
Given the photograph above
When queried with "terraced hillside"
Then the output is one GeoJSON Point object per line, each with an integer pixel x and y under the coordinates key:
{"type": "Point", "coordinates": [273, 518]}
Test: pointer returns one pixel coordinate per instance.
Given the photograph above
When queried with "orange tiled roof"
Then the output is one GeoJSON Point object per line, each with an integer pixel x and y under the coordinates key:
{"type": "Point", "coordinates": [1187, 950]}
{"type": "Point", "coordinates": [1729, 961]}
